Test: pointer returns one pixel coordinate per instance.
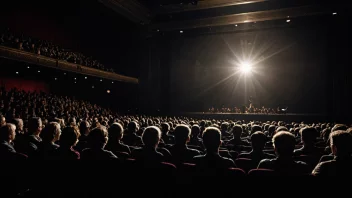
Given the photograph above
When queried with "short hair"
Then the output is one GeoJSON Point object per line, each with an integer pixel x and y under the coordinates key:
{"type": "Point", "coordinates": [237, 130]}
{"type": "Point", "coordinates": [115, 130]}
{"type": "Point", "coordinates": [256, 128]}
{"type": "Point", "coordinates": [182, 132]}
{"type": "Point", "coordinates": [50, 131]}
{"type": "Point", "coordinates": [342, 140]}
{"type": "Point", "coordinates": [18, 122]}
{"type": "Point", "coordinates": [98, 137]}
{"type": "Point", "coordinates": [6, 130]}
{"type": "Point", "coordinates": [224, 125]}
{"type": "Point", "coordinates": [132, 127]}
{"type": "Point", "coordinates": [151, 136]}
{"type": "Point", "coordinates": [165, 127]}
{"type": "Point", "coordinates": [309, 134]}
{"type": "Point", "coordinates": [69, 136]}
{"type": "Point", "coordinates": [84, 125]}
{"type": "Point", "coordinates": [195, 130]}
{"type": "Point", "coordinates": [211, 138]}
{"type": "Point", "coordinates": [284, 143]}
{"type": "Point", "coordinates": [258, 140]}
{"type": "Point", "coordinates": [33, 124]}
{"type": "Point", "coordinates": [281, 128]}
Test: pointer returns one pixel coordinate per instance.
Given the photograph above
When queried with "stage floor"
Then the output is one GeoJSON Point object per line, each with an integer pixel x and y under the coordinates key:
{"type": "Point", "coordinates": [289, 117]}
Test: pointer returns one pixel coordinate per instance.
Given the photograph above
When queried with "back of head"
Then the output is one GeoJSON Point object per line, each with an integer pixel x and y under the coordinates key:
{"type": "Point", "coordinates": [342, 141]}
{"type": "Point", "coordinates": [284, 143]}
{"type": "Point", "coordinates": [84, 126]}
{"type": "Point", "coordinates": [165, 127]}
{"type": "Point", "coordinates": [237, 131]}
{"type": "Point", "coordinates": [34, 125]}
{"type": "Point", "coordinates": [256, 128]}
{"type": "Point", "coordinates": [132, 127]}
{"type": "Point", "coordinates": [281, 128]}
{"type": "Point", "coordinates": [98, 137]}
{"type": "Point", "coordinates": [182, 134]}
{"type": "Point", "coordinates": [212, 139]}
{"type": "Point", "coordinates": [151, 136]}
{"type": "Point", "coordinates": [224, 126]}
{"type": "Point", "coordinates": [50, 132]}
{"type": "Point", "coordinates": [258, 140]}
{"type": "Point", "coordinates": [195, 130]}
{"type": "Point", "coordinates": [69, 136]}
{"type": "Point", "coordinates": [7, 131]}
{"type": "Point", "coordinates": [115, 131]}
{"type": "Point", "coordinates": [309, 135]}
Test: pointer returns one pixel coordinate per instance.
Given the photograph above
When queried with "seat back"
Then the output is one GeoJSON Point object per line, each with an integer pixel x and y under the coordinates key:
{"type": "Point", "coordinates": [245, 164]}
{"type": "Point", "coordinates": [261, 172]}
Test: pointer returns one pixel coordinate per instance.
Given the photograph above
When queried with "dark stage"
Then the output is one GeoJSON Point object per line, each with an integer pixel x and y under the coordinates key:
{"type": "Point", "coordinates": [289, 117]}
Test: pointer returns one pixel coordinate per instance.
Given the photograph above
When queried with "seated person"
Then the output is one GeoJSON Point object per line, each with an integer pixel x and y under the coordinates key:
{"type": "Point", "coordinates": [115, 135]}
{"type": "Point", "coordinates": [68, 139]}
{"type": "Point", "coordinates": [308, 138]}
{"type": "Point", "coordinates": [148, 153]}
{"type": "Point", "coordinates": [97, 140]}
{"type": "Point", "coordinates": [237, 141]}
{"type": "Point", "coordinates": [284, 164]}
{"type": "Point", "coordinates": [7, 135]}
{"type": "Point", "coordinates": [180, 152]}
{"type": "Point", "coordinates": [258, 140]}
{"type": "Point", "coordinates": [340, 143]}
{"type": "Point", "coordinates": [50, 134]}
{"type": "Point", "coordinates": [212, 161]}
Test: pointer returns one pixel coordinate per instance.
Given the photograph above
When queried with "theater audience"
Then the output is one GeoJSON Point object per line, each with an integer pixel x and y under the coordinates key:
{"type": "Point", "coordinates": [258, 140]}
{"type": "Point", "coordinates": [148, 154]}
{"type": "Point", "coordinates": [284, 164]}
{"type": "Point", "coordinates": [50, 134]}
{"type": "Point", "coordinates": [68, 139]}
{"type": "Point", "coordinates": [97, 141]}
{"type": "Point", "coordinates": [212, 161]}
{"type": "Point", "coordinates": [341, 143]}
{"type": "Point", "coordinates": [115, 135]}
{"type": "Point", "coordinates": [180, 152]}
{"type": "Point", "coordinates": [7, 136]}
{"type": "Point", "coordinates": [46, 48]}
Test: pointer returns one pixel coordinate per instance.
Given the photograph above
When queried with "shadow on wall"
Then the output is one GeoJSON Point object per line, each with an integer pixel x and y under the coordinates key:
{"type": "Point", "coordinates": [22, 84]}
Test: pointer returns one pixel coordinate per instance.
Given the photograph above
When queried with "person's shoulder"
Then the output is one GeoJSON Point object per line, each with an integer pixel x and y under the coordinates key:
{"type": "Point", "coordinates": [266, 162]}
{"type": "Point", "coordinates": [195, 151]}
{"type": "Point", "coordinates": [269, 156]}
{"type": "Point", "coordinates": [110, 154]}
{"type": "Point", "coordinates": [244, 155]}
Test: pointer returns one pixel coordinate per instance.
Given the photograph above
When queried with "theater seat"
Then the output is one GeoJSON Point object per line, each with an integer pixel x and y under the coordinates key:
{"type": "Point", "coordinates": [261, 172]}
{"type": "Point", "coordinates": [245, 164]}
{"type": "Point", "coordinates": [236, 172]}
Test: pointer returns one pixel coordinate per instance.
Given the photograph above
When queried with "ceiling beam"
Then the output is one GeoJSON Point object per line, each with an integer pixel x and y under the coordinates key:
{"type": "Point", "coordinates": [131, 9]}
{"type": "Point", "coordinates": [203, 4]}
{"type": "Point", "coordinates": [242, 18]}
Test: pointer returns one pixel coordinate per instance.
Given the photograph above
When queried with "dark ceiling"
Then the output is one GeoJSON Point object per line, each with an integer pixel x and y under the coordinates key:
{"type": "Point", "coordinates": [169, 15]}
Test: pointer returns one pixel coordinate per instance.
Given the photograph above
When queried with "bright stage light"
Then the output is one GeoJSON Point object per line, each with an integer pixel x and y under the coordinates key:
{"type": "Point", "coordinates": [245, 67]}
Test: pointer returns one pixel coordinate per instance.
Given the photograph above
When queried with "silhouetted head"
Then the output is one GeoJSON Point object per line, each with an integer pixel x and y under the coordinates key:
{"type": "Point", "coordinates": [212, 139]}
{"type": "Point", "coordinates": [69, 137]}
{"type": "Point", "coordinates": [258, 140]}
{"type": "Point", "coordinates": [115, 131]}
{"type": "Point", "coordinates": [284, 143]}
{"type": "Point", "coordinates": [151, 136]}
{"type": "Point", "coordinates": [309, 135]}
{"type": "Point", "coordinates": [255, 128]}
{"type": "Point", "coordinates": [8, 132]}
{"type": "Point", "coordinates": [165, 127]}
{"type": "Point", "coordinates": [341, 143]}
{"type": "Point", "coordinates": [132, 127]}
{"type": "Point", "coordinates": [195, 130]}
{"type": "Point", "coordinates": [182, 134]}
{"type": "Point", "coordinates": [237, 131]}
{"type": "Point", "coordinates": [35, 126]}
{"type": "Point", "coordinates": [98, 137]}
{"type": "Point", "coordinates": [51, 132]}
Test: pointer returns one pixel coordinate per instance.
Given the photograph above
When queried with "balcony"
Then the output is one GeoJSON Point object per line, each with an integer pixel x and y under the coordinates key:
{"type": "Point", "coordinates": [15, 54]}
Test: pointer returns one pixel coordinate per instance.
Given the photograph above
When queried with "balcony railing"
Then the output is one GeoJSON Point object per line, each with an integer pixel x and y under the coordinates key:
{"type": "Point", "coordinates": [15, 54]}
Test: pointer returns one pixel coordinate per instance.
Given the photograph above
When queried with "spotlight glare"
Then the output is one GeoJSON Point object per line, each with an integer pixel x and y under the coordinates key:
{"type": "Point", "coordinates": [181, 31]}
{"type": "Point", "coordinates": [108, 91]}
{"type": "Point", "coordinates": [28, 67]}
{"type": "Point", "coordinates": [38, 71]}
{"type": "Point", "coordinates": [16, 72]}
{"type": "Point", "coordinates": [334, 13]}
{"type": "Point", "coordinates": [288, 20]}
{"type": "Point", "coordinates": [245, 67]}
{"type": "Point", "coordinates": [85, 77]}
